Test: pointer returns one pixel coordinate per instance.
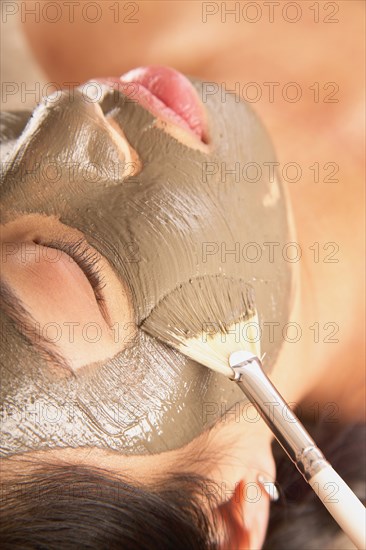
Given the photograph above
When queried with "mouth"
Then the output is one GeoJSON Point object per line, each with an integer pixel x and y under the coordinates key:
{"type": "Point", "coordinates": [167, 94]}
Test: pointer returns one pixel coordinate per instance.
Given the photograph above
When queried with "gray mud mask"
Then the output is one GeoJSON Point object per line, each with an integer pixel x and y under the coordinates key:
{"type": "Point", "coordinates": [184, 215]}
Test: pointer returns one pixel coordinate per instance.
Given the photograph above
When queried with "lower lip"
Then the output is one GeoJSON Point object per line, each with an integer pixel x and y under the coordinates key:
{"type": "Point", "coordinates": [167, 94]}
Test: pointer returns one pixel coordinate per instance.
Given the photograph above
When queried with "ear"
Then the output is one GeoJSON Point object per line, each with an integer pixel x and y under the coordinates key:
{"type": "Point", "coordinates": [244, 517]}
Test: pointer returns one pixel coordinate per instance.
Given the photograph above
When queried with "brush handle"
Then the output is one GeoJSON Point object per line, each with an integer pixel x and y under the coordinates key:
{"type": "Point", "coordinates": [342, 503]}
{"type": "Point", "coordinates": [346, 509]}
{"type": "Point", "coordinates": [283, 423]}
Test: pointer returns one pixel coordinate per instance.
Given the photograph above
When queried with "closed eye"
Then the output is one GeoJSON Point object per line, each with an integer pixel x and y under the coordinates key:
{"type": "Point", "coordinates": [89, 262]}
{"type": "Point", "coordinates": [71, 299]}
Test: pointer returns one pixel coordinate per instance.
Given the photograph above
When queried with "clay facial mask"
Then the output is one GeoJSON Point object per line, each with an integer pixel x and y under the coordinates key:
{"type": "Point", "coordinates": [161, 211]}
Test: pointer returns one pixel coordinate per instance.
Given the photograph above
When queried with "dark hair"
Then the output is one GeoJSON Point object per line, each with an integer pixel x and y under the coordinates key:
{"type": "Point", "coordinates": [299, 519]}
{"type": "Point", "coordinates": [68, 507]}
{"type": "Point", "coordinates": [64, 506]}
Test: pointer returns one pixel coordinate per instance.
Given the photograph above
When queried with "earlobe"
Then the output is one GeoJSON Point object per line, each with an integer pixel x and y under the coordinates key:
{"type": "Point", "coordinates": [244, 518]}
{"type": "Point", "coordinates": [235, 534]}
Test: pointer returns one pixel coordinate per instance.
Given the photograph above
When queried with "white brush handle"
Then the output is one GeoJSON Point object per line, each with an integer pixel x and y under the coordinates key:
{"type": "Point", "coordinates": [334, 493]}
{"type": "Point", "coordinates": [342, 503]}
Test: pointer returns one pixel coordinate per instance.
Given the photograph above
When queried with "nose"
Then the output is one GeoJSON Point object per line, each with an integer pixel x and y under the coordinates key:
{"type": "Point", "coordinates": [68, 144]}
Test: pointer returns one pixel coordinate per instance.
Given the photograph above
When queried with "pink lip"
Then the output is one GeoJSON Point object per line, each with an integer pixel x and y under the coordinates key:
{"type": "Point", "coordinates": [167, 94]}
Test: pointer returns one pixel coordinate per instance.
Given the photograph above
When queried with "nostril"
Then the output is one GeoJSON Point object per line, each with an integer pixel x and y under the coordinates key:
{"type": "Point", "coordinates": [132, 163]}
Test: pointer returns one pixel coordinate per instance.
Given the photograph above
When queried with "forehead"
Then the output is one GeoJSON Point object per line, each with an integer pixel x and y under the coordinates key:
{"type": "Point", "coordinates": [186, 213]}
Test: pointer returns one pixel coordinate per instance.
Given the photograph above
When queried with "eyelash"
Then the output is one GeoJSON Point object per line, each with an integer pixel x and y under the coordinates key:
{"type": "Point", "coordinates": [88, 262]}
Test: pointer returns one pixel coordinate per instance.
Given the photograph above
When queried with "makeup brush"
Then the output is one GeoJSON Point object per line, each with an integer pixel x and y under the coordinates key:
{"type": "Point", "coordinates": [200, 333]}
{"type": "Point", "coordinates": [231, 349]}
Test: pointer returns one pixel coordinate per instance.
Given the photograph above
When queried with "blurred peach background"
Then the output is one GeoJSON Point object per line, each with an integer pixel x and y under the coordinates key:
{"type": "Point", "coordinates": [223, 50]}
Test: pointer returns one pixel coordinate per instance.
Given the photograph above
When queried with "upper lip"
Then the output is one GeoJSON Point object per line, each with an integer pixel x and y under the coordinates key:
{"type": "Point", "coordinates": [167, 94]}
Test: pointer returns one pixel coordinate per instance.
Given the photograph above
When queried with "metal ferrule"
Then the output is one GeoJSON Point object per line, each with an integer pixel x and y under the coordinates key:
{"type": "Point", "coordinates": [286, 427]}
{"type": "Point", "coordinates": [310, 461]}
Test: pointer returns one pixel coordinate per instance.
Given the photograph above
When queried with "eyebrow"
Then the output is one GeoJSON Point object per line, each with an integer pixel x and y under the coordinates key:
{"type": "Point", "coordinates": [25, 325]}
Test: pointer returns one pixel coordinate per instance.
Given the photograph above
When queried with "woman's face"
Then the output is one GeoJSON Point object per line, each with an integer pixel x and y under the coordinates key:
{"type": "Point", "coordinates": [109, 205]}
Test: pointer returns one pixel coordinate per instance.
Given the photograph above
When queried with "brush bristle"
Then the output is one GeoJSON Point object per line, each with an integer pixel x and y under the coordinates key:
{"type": "Point", "coordinates": [207, 319]}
